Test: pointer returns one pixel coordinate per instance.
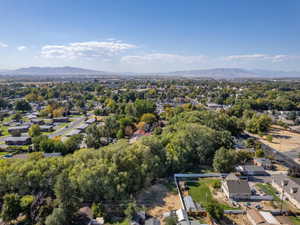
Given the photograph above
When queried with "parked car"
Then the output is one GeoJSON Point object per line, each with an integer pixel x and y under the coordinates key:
{"type": "Point", "coordinates": [258, 206]}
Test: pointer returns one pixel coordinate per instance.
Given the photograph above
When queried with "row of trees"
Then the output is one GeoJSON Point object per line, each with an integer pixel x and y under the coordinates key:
{"type": "Point", "coordinates": [112, 175]}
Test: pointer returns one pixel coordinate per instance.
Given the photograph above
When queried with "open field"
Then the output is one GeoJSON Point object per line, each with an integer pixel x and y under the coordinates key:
{"type": "Point", "coordinates": [158, 199]}
{"type": "Point", "coordinates": [283, 140]}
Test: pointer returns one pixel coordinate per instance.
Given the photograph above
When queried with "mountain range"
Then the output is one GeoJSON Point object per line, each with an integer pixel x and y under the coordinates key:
{"type": "Point", "coordinates": [217, 73]}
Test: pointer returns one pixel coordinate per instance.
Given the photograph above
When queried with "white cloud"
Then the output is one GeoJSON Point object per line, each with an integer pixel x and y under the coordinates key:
{"type": "Point", "coordinates": [2, 45]}
{"type": "Point", "coordinates": [163, 58]}
{"type": "Point", "coordinates": [253, 57]}
{"type": "Point", "coordinates": [21, 48]}
{"type": "Point", "coordinates": [85, 49]}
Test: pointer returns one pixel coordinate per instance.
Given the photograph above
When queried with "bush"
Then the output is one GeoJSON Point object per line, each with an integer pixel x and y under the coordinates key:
{"type": "Point", "coordinates": [217, 184]}
{"type": "Point", "coordinates": [259, 153]}
{"type": "Point", "coordinates": [269, 138]}
{"type": "Point", "coordinates": [215, 211]}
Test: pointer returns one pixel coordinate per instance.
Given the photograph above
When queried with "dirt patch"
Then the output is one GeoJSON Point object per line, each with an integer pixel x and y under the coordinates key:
{"type": "Point", "coordinates": [283, 140]}
{"type": "Point", "coordinates": [159, 200]}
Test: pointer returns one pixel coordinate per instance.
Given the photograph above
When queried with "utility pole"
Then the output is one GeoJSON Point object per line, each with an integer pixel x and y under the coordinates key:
{"type": "Point", "coordinates": [284, 184]}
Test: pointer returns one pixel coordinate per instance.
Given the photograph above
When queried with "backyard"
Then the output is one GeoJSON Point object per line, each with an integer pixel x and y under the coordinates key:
{"type": "Point", "coordinates": [202, 192]}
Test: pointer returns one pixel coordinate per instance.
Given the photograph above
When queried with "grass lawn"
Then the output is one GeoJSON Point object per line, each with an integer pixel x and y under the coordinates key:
{"type": "Point", "coordinates": [7, 119]}
{"type": "Point", "coordinates": [3, 153]}
{"type": "Point", "coordinates": [61, 125]}
{"type": "Point", "coordinates": [201, 192]}
{"type": "Point", "coordinates": [124, 222]}
{"type": "Point", "coordinates": [4, 131]}
{"type": "Point", "coordinates": [269, 190]}
{"type": "Point", "coordinates": [295, 220]}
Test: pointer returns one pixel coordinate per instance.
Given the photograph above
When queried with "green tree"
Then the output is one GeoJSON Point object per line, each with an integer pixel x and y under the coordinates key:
{"type": "Point", "coordinates": [26, 203]}
{"type": "Point", "coordinates": [22, 105]}
{"type": "Point", "coordinates": [224, 160]}
{"type": "Point", "coordinates": [11, 207]}
{"type": "Point", "coordinates": [269, 138]}
{"type": "Point", "coordinates": [148, 118]}
{"type": "Point", "coordinates": [65, 193]}
{"type": "Point", "coordinates": [34, 130]}
{"type": "Point", "coordinates": [170, 220]}
{"type": "Point", "coordinates": [98, 210]}
{"type": "Point", "coordinates": [17, 117]}
{"type": "Point", "coordinates": [131, 210]}
{"type": "Point", "coordinates": [144, 106]}
{"type": "Point", "coordinates": [73, 143]}
{"type": "Point", "coordinates": [259, 153]}
{"type": "Point", "coordinates": [58, 217]}
{"type": "Point", "coordinates": [215, 211]}
{"type": "Point", "coordinates": [258, 124]}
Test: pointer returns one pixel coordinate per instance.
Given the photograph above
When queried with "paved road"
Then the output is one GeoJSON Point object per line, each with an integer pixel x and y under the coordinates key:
{"type": "Point", "coordinates": [63, 131]}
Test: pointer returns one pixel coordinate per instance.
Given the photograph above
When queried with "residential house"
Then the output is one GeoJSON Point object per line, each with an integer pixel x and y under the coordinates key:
{"type": "Point", "coordinates": [82, 127]}
{"type": "Point", "coordinates": [91, 121]}
{"type": "Point", "coordinates": [249, 170]}
{"type": "Point", "coordinates": [18, 140]}
{"type": "Point", "coordinates": [18, 129]}
{"type": "Point", "coordinates": [236, 189]}
{"type": "Point", "coordinates": [291, 189]}
{"type": "Point", "coordinates": [61, 120]}
{"type": "Point", "coordinates": [73, 132]}
{"type": "Point", "coordinates": [38, 121]}
{"type": "Point", "coordinates": [46, 128]}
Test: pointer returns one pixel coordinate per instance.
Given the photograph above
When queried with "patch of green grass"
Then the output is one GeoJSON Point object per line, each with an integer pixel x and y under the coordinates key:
{"type": "Point", "coordinates": [3, 153]}
{"type": "Point", "coordinates": [201, 192]}
{"type": "Point", "coordinates": [269, 190]}
{"type": "Point", "coordinates": [7, 119]}
{"type": "Point", "coordinates": [295, 220]}
{"type": "Point", "coordinates": [61, 125]}
{"type": "Point", "coordinates": [124, 222]}
{"type": "Point", "coordinates": [4, 131]}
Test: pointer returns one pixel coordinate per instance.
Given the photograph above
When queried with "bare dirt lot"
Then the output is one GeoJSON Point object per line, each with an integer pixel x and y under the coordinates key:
{"type": "Point", "coordinates": [283, 140]}
{"type": "Point", "coordinates": [158, 200]}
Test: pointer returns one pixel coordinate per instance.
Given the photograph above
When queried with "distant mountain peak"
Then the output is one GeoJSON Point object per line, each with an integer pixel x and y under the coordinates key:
{"type": "Point", "coordinates": [214, 73]}
{"type": "Point", "coordinates": [66, 70]}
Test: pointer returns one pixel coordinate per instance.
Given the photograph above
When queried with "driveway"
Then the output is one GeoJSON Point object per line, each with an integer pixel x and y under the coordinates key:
{"type": "Point", "coordinates": [63, 131]}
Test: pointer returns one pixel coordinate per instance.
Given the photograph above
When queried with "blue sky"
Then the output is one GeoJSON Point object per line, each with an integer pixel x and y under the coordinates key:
{"type": "Point", "coordinates": [150, 36]}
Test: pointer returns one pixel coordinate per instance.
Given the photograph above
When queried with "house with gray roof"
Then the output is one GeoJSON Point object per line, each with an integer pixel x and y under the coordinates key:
{"type": "Point", "coordinates": [235, 188]}
{"type": "Point", "coordinates": [73, 132]}
{"type": "Point", "coordinates": [82, 126]}
{"type": "Point", "coordinates": [249, 170]}
{"type": "Point", "coordinates": [91, 121]}
{"type": "Point", "coordinates": [18, 140]}
{"type": "Point", "coordinates": [18, 129]}
{"type": "Point", "coordinates": [46, 128]}
{"type": "Point", "coordinates": [61, 120]}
